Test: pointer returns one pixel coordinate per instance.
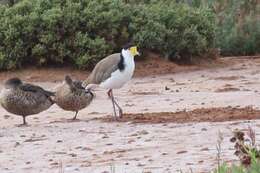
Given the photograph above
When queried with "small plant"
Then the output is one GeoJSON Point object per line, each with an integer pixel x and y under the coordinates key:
{"type": "Point", "coordinates": [246, 150]}
{"type": "Point", "coordinates": [61, 169]}
{"type": "Point", "coordinates": [219, 142]}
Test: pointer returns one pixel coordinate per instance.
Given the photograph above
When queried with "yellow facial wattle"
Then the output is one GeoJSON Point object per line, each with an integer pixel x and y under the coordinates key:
{"type": "Point", "coordinates": [134, 51]}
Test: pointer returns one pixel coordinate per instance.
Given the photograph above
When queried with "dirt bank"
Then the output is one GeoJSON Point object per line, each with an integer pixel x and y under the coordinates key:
{"type": "Point", "coordinates": [196, 115]}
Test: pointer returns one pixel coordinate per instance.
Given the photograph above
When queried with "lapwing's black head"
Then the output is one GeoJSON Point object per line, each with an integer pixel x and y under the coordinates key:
{"type": "Point", "coordinates": [13, 82]}
{"type": "Point", "coordinates": [128, 46]}
{"type": "Point", "coordinates": [131, 48]}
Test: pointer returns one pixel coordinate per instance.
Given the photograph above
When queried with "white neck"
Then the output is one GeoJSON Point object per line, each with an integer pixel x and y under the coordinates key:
{"type": "Point", "coordinates": [128, 58]}
{"type": "Point", "coordinates": [127, 54]}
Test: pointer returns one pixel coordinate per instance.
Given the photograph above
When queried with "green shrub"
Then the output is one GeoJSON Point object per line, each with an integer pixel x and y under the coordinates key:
{"type": "Point", "coordinates": [239, 40]}
{"type": "Point", "coordinates": [238, 25]}
{"type": "Point", "coordinates": [175, 30]}
{"type": "Point", "coordinates": [81, 32]}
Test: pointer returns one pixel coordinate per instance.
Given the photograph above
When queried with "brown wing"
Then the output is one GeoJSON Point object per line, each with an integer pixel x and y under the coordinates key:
{"type": "Point", "coordinates": [78, 84]}
{"type": "Point", "coordinates": [103, 69]}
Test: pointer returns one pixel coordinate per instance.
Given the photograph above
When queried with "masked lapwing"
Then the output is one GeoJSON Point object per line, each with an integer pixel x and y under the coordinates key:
{"type": "Point", "coordinates": [72, 96]}
{"type": "Point", "coordinates": [113, 72]}
{"type": "Point", "coordinates": [24, 99]}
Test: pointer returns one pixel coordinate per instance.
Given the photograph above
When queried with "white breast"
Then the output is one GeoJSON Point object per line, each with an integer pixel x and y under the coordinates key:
{"type": "Point", "coordinates": [119, 78]}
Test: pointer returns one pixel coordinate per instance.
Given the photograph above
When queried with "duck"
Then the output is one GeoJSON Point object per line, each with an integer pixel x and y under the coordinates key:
{"type": "Point", "coordinates": [72, 96]}
{"type": "Point", "coordinates": [113, 72]}
{"type": "Point", "coordinates": [24, 99]}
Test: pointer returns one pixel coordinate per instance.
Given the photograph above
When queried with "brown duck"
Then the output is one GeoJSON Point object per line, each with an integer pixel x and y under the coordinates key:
{"type": "Point", "coordinates": [24, 99]}
{"type": "Point", "coordinates": [72, 96]}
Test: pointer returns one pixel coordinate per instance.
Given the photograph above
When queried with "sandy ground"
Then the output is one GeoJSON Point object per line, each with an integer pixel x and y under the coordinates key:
{"type": "Point", "coordinates": [172, 123]}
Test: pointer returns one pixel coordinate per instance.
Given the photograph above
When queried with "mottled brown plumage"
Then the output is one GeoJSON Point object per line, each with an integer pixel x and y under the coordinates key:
{"type": "Point", "coordinates": [24, 99]}
{"type": "Point", "coordinates": [71, 96]}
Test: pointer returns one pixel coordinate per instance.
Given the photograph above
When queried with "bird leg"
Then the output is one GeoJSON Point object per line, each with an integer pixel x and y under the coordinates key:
{"type": "Point", "coordinates": [75, 117]}
{"type": "Point", "coordinates": [24, 122]}
{"type": "Point", "coordinates": [114, 108]}
{"type": "Point", "coordinates": [115, 104]}
{"type": "Point", "coordinates": [119, 109]}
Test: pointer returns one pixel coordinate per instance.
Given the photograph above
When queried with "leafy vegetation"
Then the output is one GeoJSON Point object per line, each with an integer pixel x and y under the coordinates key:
{"type": "Point", "coordinates": [176, 31]}
{"type": "Point", "coordinates": [238, 25]}
{"type": "Point", "coordinates": [238, 31]}
{"type": "Point", "coordinates": [81, 32]}
{"type": "Point", "coordinates": [247, 151]}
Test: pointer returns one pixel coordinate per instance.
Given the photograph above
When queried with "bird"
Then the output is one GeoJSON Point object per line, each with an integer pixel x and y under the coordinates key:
{"type": "Point", "coordinates": [113, 72]}
{"type": "Point", "coordinates": [24, 99]}
{"type": "Point", "coordinates": [72, 96]}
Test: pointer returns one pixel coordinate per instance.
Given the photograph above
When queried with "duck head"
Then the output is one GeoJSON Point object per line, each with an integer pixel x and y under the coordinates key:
{"type": "Point", "coordinates": [68, 80]}
{"type": "Point", "coordinates": [13, 82]}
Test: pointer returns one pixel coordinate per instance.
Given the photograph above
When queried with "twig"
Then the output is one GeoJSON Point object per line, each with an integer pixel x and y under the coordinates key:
{"type": "Point", "coordinates": [61, 170]}
{"type": "Point", "coordinates": [219, 142]}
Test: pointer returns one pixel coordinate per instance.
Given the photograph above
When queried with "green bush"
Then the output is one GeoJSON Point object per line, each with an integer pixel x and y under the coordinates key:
{"type": "Point", "coordinates": [238, 25]}
{"type": "Point", "coordinates": [81, 32]}
{"type": "Point", "coordinates": [175, 30]}
{"type": "Point", "coordinates": [239, 40]}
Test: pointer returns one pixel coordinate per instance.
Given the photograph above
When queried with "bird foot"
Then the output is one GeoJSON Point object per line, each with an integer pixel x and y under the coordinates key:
{"type": "Point", "coordinates": [116, 118]}
{"type": "Point", "coordinates": [120, 113]}
{"type": "Point", "coordinates": [73, 120]}
{"type": "Point", "coordinates": [22, 125]}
